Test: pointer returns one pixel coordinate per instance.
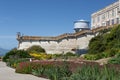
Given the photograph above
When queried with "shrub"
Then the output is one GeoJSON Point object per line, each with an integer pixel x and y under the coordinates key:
{"type": "Point", "coordinates": [105, 41]}
{"type": "Point", "coordinates": [96, 45]}
{"type": "Point", "coordinates": [36, 49]}
{"type": "Point", "coordinates": [14, 62]}
{"type": "Point", "coordinates": [55, 56]}
{"type": "Point", "coordinates": [41, 56]}
{"type": "Point", "coordinates": [64, 56]}
{"type": "Point", "coordinates": [15, 54]}
{"type": "Point", "coordinates": [110, 52]}
{"type": "Point", "coordinates": [69, 54]}
{"type": "Point", "coordinates": [93, 56]}
{"type": "Point", "coordinates": [115, 60]}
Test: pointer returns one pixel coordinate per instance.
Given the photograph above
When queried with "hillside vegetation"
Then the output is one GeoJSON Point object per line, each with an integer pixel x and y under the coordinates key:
{"type": "Point", "coordinates": [105, 44]}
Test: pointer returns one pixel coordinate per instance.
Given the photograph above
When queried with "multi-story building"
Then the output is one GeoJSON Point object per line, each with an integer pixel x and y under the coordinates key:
{"type": "Point", "coordinates": [106, 16]}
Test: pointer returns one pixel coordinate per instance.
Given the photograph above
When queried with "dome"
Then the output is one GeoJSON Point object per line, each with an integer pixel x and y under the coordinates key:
{"type": "Point", "coordinates": [81, 25]}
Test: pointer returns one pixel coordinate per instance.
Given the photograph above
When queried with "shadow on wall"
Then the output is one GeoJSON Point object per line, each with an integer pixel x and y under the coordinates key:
{"type": "Point", "coordinates": [81, 51]}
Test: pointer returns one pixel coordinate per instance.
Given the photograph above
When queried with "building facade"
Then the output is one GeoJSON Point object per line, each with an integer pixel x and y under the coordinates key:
{"type": "Point", "coordinates": [106, 16]}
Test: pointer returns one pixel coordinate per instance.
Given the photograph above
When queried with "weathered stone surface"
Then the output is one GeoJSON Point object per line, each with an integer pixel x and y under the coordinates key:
{"type": "Point", "coordinates": [62, 46]}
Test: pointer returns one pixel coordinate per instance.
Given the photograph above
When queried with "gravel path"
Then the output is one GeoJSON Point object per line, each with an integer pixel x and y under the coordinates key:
{"type": "Point", "coordinates": [7, 73]}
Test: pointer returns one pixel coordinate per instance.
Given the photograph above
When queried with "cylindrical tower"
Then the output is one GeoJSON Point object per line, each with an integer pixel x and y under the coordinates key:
{"type": "Point", "coordinates": [80, 25]}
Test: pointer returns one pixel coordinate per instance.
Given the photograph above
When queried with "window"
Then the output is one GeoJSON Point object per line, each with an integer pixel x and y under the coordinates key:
{"type": "Point", "coordinates": [98, 18]}
{"type": "Point", "coordinates": [113, 13]}
{"type": "Point", "coordinates": [117, 20]}
{"type": "Point", "coordinates": [103, 23]}
{"type": "Point", "coordinates": [118, 9]}
{"type": "Point", "coordinates": [93, 20]}
{"type": "Point", "coordinates": [103, 16]}
{"type": "Point", "coordinates": [108, 14]}
{"type": "Point", "coordinates": [112, 21]}
{"type": "Point", "coordinates": [108, 23]}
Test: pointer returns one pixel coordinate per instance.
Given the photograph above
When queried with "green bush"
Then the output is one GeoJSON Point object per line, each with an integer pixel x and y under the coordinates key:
{"type": "Point", "coordinates": [15, 54]}
{"type": "Point", "coordinates": [96, 45]}
{"type": "Point", "coordinates": [14, 62]}
{"type": "Point", "coordinates": [56, 56]}
{"type": "Point", "coordinates": [115, 60]}
{"type": "Point", "coordinates": [110, 52]}
{"type": "Point", "coordinates": [69, 54]}
{"type": "Point", "coordinates": [64, 56]}
{"type": "Point", "coordinates": [106, 43]}
{"type": "Point", "coordinates": [36, 49]}
{"type": "Point", "coordinates": [93, 56]}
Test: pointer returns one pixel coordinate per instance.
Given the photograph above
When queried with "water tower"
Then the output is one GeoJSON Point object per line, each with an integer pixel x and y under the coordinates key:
{"type": "Point", "coordinates": [80, 25]}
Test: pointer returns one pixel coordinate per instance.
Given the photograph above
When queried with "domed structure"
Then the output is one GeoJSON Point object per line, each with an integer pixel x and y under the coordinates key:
{"type": "Point", "coordinates": [80, 25]}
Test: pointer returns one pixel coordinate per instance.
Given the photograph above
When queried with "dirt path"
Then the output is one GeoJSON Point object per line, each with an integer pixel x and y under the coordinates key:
{"type": "Point", "coordinates": [7, 73]}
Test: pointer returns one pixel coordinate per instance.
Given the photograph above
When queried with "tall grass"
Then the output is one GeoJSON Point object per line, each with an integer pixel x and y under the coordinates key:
{"type": "Point", "coordinates": [95, 73]}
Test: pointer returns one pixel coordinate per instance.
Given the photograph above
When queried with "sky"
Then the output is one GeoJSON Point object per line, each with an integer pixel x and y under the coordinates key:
{"type": "Point", "coordinates": [43, 17]}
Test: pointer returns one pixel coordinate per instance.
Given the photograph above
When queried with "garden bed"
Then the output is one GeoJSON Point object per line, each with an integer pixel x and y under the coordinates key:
{"type": "Point", "coordinates": [75, 64]}
{"type": "Point", "coordinates": [65, 70]}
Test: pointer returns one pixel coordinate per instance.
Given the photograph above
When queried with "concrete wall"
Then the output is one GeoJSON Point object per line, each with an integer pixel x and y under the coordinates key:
{"type": "Point", "coordinates": [79, 43]}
